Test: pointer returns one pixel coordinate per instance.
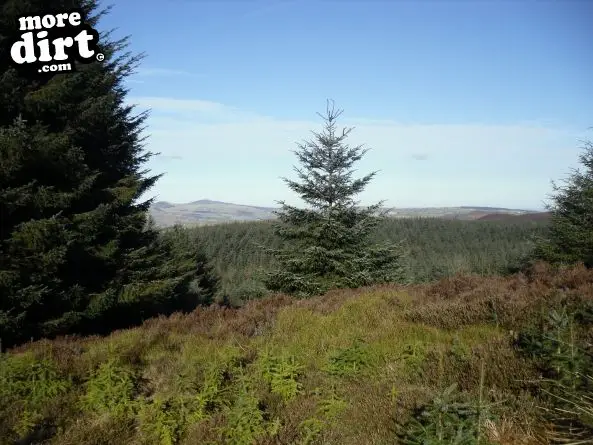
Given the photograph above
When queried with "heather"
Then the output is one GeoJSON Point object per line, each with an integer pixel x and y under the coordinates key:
{"type": "Point", "coordinates": [357, 366]}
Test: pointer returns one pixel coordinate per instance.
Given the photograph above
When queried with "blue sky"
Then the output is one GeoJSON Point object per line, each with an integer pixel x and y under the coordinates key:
{"type": "Point", "coordinates": [461, 103]}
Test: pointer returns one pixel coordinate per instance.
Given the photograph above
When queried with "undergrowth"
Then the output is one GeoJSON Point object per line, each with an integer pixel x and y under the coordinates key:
{"type": "Point", "coordinates": [416, 364]}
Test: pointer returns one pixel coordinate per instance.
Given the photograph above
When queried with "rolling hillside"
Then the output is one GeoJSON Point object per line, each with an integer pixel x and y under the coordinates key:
{"type": "Point", "coordinates": [539, 216]}
{"type": "Point", "coordinates": [434, 363]}
{"type": "Point", "coordinates": [205, 212]}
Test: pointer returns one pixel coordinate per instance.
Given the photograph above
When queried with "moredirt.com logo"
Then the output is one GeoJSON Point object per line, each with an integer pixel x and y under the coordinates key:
{"type": "Point", "coordinates": [50, 43]}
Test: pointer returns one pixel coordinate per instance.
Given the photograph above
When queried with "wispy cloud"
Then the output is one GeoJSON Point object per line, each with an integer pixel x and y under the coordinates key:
{"type": "Point", "coordinates": [147, 75]}
{"type": "Point", "coordinates": [162, 72]}
{"type": "Point", "coordinates": [233, 155]}
{"type": "Point", "coordinates": [179, 105]}
{"type": "Point", "coordinates": [192, 109]}
{"type": "Point", "coordinates": [170, 157]}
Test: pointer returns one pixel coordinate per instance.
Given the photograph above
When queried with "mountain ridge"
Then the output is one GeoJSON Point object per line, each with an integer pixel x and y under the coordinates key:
{"type": "Point", "coordinates": [207, 211]}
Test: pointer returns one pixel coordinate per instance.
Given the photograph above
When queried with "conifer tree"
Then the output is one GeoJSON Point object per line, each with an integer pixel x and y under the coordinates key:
{"type": "Point", "coordinates": [570, 235]}
{"type": "Point", "coordinates": [76, 255]}
{"type": "Point", "coordinates": [328, 244]}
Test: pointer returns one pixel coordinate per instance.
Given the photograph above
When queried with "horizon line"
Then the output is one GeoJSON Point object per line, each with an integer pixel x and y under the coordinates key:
{"type": "Point", "coordinates": [388, 207]}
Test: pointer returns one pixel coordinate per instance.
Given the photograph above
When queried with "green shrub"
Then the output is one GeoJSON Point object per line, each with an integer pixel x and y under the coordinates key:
{"type": "Point", "coordinates": [27, 387]}
{"type": "Point", "coordinates": [281, 374]}
{"type": "Point", "coordinates": [349, 361]}
{"type": "Point", "coordinates": [446, 420]}
{"type": "Point", "coordinates": [327, 411]}
{"type": "Point", "coordinates": [245, 422]}
{"type": "Point", "coordinates": [110, 389]}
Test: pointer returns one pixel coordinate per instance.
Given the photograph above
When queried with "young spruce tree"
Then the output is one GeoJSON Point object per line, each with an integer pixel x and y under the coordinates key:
{"type": "Point", "coordinates": [570, 237]}
{"type": "Point", "coordinates": [76, 252]}
{"type": "Point", "coordinates": [329, 244]}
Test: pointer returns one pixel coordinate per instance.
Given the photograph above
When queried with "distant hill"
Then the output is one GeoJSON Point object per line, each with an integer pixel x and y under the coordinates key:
{"type": "Point", "coordinates": [206, 211]}
{"type": "Point", "coordinates": [539, 216]}
{"type": "Point", "coordinates": [489, 209]}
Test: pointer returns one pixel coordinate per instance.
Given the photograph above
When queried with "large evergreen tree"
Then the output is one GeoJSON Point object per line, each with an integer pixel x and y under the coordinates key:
{"type": "Point", "coordinates": [570, 237]}
{"type": "Point", "coordinates": [76, 253]}
{"type": "Point", "coordinates": [328, 245]}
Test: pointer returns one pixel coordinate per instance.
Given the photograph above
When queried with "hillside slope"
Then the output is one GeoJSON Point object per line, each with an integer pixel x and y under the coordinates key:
{"type": "Point", "coordinates": [205, 212]}
{"type": "Point", "coordinates": [539, 216]}
{"type": "Point", "coordinates": [348, 368]}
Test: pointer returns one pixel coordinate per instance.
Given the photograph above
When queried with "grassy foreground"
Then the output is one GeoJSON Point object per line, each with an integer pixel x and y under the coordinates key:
{"type": "Point", "coordinates": [351, 367]}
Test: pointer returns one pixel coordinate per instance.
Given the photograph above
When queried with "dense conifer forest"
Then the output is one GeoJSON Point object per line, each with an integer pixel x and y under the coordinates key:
{"type": "Point", "coordinates": [437, 248]}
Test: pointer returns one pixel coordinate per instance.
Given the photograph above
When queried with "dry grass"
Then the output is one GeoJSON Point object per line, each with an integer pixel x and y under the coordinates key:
{"type": "Point", "coordinates": [208, 368]}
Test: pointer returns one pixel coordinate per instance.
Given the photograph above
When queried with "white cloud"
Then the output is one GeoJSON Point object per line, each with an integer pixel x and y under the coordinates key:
{"type": "Point", "coordinates": [238, 156]}
{"type": "Point", "coordinates": [146, 75]}
{"type": "Point", "coordinates": [178, 105]}
{"type": "Point", "coordinates": [169, 157]}
{"type": "Point", "coordinates": [189, 109]}
{"type": "Point", "coordinates": [161, 72]}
